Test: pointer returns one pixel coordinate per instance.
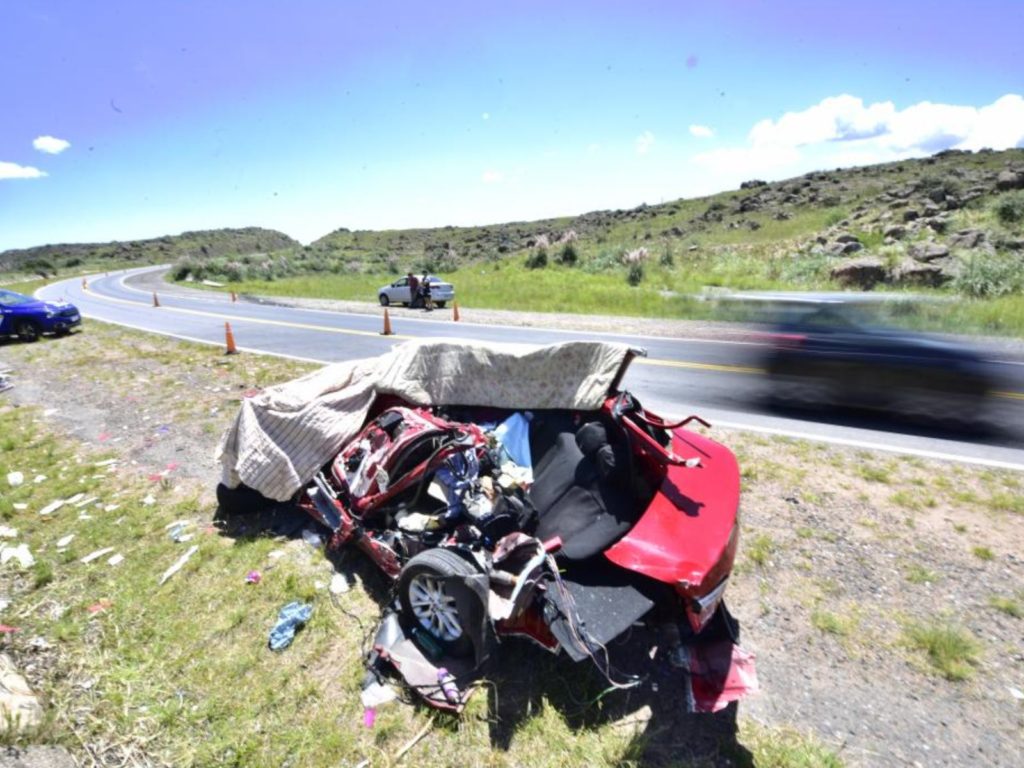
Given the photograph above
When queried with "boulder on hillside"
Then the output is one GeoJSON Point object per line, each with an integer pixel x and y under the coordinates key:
{"type": "Point", "coordinates": [1007, 180]}
{"type": "Point", "coordinates": [928, 251]}
{"type": "Point", "coordinates": [967, 238]}
{"type": "Point", "coordinates": [910, 215]}
{"type": "Point", "coordinates": [896, 232]}
{"type": "Point", "coordinates": [865, 272]}
{"type": "Point", "coordinates": [938, 225]}
{"type": "Point", "coordinates": [844, 249]}
{"type": "Point", "coordinates": [846, 237]}
{"type": "Point", "coordinates": [910, 272]}
{"type": "Point", "coordinates": [753, 183]}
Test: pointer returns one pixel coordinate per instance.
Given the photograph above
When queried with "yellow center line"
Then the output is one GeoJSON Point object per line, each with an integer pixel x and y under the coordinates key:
{"type": "Point", "coordinates": [697, 366]}
{"type": "Point", "coordinates": [1011, 395]}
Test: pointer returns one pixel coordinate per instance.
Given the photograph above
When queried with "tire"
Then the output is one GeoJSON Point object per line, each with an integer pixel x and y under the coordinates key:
{"type": "Point", "coordinates": [27, 331]}
{"type": "Point", "coordinates": [440, 304]}
{"type": "Point", "coordinates": [422, 585]}
{"type": "Point", "coordinates": [383, 299]}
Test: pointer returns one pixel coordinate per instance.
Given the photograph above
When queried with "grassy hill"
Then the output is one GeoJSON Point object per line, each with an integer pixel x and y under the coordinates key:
{"type": "Point", "coordinates": [50, 260]}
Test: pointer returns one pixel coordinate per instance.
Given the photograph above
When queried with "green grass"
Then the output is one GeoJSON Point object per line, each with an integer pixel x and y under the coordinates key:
{"type": "Point", "coordinates": [918, 574]}
{"type": "Point", "coordinates": [1011, 606]}
{"type": "Point", "coordinates": [983, 553]}
{"type": "Point", "coordinates": [842, 625]}
{"type": "Point", "coordinates": [950, 650]}
{"type": "Point", "coordinates": [759, 549]}
{"type": "Point", "coordinates": [785, 748]}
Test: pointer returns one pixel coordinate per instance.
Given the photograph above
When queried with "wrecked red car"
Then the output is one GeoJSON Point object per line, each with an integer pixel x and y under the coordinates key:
{"type": "Point", "coordinates": [567, 514]}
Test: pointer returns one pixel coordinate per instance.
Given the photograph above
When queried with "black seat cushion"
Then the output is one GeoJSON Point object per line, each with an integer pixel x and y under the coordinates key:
{"type": "Point", "coordinates": [573, 500]}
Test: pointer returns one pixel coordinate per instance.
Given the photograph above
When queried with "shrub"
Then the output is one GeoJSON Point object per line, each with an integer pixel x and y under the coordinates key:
{"type": "Point", "coordinates": [568, 256]}
{"type": "Point", "coordinates": [181, 270]}
{"type": "Point", "coordinates": [667, 259]}
{"type": "Point", "coordinates": [988, 276]}
{"type": "Point", "coordinates": [635, 275]}
{"type": "Point", "coordinates": [538, 259]}
{"type": "Point", "coordinates": [1010, 208]}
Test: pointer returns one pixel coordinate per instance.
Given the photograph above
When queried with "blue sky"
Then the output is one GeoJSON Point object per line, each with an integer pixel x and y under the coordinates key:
{"type": "Point", "coordinates": [122, 120]}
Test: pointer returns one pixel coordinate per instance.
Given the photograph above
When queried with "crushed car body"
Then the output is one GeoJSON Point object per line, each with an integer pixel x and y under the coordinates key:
{"type": "Point", "coordinates": [509, 491]}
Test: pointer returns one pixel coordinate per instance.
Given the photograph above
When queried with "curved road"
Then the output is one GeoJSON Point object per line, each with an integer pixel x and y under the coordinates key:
{"type": "Point", "coordinates": [719, 380]}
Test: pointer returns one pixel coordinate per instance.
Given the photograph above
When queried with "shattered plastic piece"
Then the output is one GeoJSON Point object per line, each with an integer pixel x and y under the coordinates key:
{"type": "Point", "coordinates": [39, 479]}
{"type": "Point", "coordinates": [275, 554]}
{"type": "Point", "coordinates": [6, 629]}
{"type": "Point", "coordinates": [99, 606]}
{"type": "Point", "coordinates": [253, 577]}
{"type": "Point", "coordinates": [83, 502]}
{"type": "Point", "coordinates": [116, 559]}
{"type": "Point", "coordinates": [339, 584]}
{"type": "Point", "coordinates": [312, 538]}
{"type": "Point", "coordinates": [19, 553]}
{"type": "Point", "coordinates": [6, 532]}
{"type": "Point", "coordinates": [97, 554]}
{"type": "Point", "coordinates": [20, 507]}
{"type": "Point", "coordinates": [369, 717]}
{"type": "Point", "coordinates": [75, 499]}
{"type": "Point", "coordinates": [52, 507]}
{"type": "Point", "coordinates": [106, 463]}
{"type": "Point", "coordinates": [66, 540]}
{"type": "Point", "coordinates": [377, 693]}
{"type": "Point", "coordinates": [14, 479]}
{"type": "Point", "coordinates": [149, 500]}
{"type": "Point", "coordinates": [178, 564]}
{"type": "Point", "coordinates": [289, 619]}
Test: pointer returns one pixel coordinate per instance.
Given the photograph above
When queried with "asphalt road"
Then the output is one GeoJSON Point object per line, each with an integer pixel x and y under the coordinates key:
{"type": "Point", "coordinates": [719, 380]}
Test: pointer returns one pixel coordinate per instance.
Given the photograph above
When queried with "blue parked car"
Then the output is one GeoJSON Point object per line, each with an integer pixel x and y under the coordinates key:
{"type": "Point", "coordinates": [27, 318]}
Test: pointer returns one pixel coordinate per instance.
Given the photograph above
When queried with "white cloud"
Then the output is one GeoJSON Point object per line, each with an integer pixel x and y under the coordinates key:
{"type": "Point", "coordinates": [644, 142]}
{"type": "Point", "coordinates": [842, 131]}
{"type": "Point", "coordinates": [492, 177]}
{"type": "Point", "coordinates": [701, 131]}
{"type": "Point", "coordinates": [15, 171]}
{"type": "Point", "coordinates": [485, 116]}
{"type": "Point", "coordinates": [50, 144]}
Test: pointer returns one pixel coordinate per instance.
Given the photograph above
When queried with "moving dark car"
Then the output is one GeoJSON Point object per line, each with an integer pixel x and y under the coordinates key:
{"type": "Point", "coordinates": [839, 354]}
{"type": "Point", "coordinates": [28, 318]}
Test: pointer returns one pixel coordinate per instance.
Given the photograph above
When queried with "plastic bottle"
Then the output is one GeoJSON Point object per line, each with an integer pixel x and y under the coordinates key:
{"type": "Point", "coordinates": [447, 682]}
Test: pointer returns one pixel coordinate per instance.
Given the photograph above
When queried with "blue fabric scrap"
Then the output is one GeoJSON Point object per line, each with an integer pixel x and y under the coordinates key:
{"type": "Point", "coordinates": [290, 618]}
{"type": "Point", "coordinates": [514, 435]}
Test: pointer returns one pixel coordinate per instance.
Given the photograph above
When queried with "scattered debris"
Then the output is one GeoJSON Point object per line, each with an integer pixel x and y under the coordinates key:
{"type": "Point", "coordinates": [116, 559]}
{"type": "Point", "coordinates": [312, 538]}
{"type": "Point", "coordinates": [39, 479]}
{"type": "Point", "coordinates": [97, 554]}
{"type": "Point", "coordinates": [6, 629]}
{"type": "Point", "coordinates": [14, 479]}
{"type": "Point", "coordinates": [253, 577]}
{"type": "Point", "coordinates": [179, 564]}
{"type": "Point", "coordinates": [61, 543]}
{"type": "Point", "coordinates": [6, 532]}
{"type": "Point", "coordinates": [52, 507]}
{"type": "Point", "coordinates": [19, 553]}
{"type": "Point", "coordinates": [19, 708]}
{"type": "Point", "coordinates": [289, 619]}
{"type": "Point", "coordinates": [339, 584]}
{"type": "Point", "coordinates": [99, 606]}
{"type": "Point", "coordinates": [20, 507]}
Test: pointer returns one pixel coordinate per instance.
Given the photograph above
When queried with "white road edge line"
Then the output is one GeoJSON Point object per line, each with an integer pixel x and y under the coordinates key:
{"type": "Point", "coordinates": [851, 443]}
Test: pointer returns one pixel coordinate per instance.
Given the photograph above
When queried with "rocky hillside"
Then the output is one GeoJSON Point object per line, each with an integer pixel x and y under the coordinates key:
{"type": "Point", "coordinates": [51, 259]}
{"type": "Point", "coordinates": [956, 216]}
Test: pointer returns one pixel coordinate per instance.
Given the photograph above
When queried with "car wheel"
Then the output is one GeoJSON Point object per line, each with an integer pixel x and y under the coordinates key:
{"type": "Point", "coordinates": [27, 331]}
{"type": "Point", "coordinates": [427, 590]}
{"type": "Point", "coordinates": [440, 304]}
{"type": "Point", "coordinates": [384, 300]}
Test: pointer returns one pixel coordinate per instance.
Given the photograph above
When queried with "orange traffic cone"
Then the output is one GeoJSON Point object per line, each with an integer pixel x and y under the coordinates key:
{"type": "Point", "coordinates": [229, 340]}
{"type": "Point", "coordinates": [387, 324]}
{"type": "Point", "coordinates": [85, 284]}
{"type": "Point", "coordinates": [455, 312]}
{"type": "Point", "coordinates": [156, 301]}
{"type": "Point", "coordinates": [233, 296]}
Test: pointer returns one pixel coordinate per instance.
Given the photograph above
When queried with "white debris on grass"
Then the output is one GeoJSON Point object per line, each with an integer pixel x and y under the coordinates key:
{"type": "Point", "coordinates": [178, 564]}
{"type": "Point", "coordinates": [149, 500]}
{"type": "Point", "coordinates": [97, 554]}
{"type": "Point", "coordinates": [339, 584]}
{"type": "Point", "coordinates": [66, 540]}
{"type": "Point", "coordinates": [111, 507]}
{"type": "Point", "coordinates": [52, 507]}
{"type": "Point", "coordinates": [275, 554]}
{"type": "Point", "coordinates": [83, 502]}
{"type": "Point", "coordinates": [107, 463]}
{"type": "Point", "coordinates": [75, 499]}
{"type": "Point", "coordinates": [20, 507]}
{"type": "Point", "coordinates": [39, 479]}
{"type": "Point", "coordinates": [116, 559]}
{"type": "Point", "coordinates": [6, 532]}
{"type": "Point", "coordinates": [14, 479]}
{"type": "Point", "coordinates": [19, 553]}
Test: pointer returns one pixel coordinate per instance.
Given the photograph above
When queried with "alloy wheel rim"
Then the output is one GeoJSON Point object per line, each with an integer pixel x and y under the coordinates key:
{"type": "Point", "coordinates": [434, 608]}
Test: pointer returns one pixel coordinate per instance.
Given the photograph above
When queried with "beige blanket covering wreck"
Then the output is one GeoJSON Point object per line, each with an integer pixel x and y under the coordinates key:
{"type": "Point", "coordinates": [282, 436]}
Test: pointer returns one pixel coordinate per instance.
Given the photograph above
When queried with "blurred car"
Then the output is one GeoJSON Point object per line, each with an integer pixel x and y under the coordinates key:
{"type": "Point", "coordinates": [839, 354]}
{"type": "Point", "coordinates": [398, 292]}
{"type": "Point", "coordinates": [28, 318]}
